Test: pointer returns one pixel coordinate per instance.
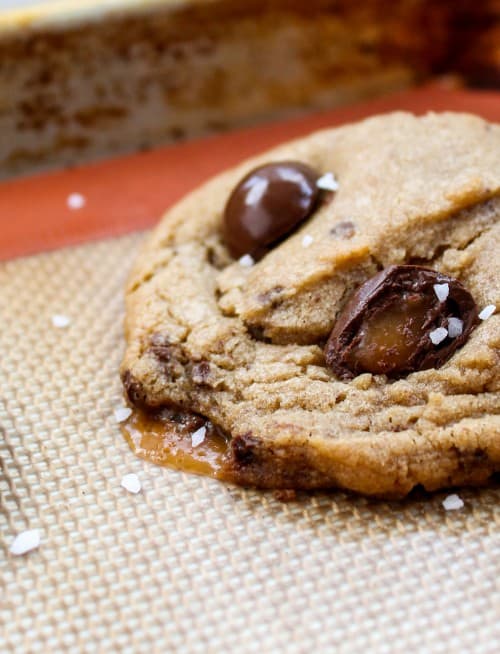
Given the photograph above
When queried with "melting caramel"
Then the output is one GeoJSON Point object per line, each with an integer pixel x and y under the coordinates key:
{"type": "Point", "coordinates": [164, 438]}
{"type": "Point", "coordinates": [389, 339]}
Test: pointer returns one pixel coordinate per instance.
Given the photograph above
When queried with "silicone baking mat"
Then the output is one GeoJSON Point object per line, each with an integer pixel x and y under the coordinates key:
{"type": "Point", "coordinates": [190, 564]}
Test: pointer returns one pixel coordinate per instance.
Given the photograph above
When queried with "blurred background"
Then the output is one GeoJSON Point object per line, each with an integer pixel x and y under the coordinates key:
{"type": "Point", "coordinates": [85, 79]}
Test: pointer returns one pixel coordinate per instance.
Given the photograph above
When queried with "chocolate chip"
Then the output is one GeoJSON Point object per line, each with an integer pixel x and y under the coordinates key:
{"type": "Point", "coordinates": [134, 390]}
{"type": "Point", "coordinates": [267, 204]}
{"type": "Point", "coordinates": [244, 448]}
{"type": "Point", "coordinates": [159, 340]}
{"type": "Point", "coordinates": [271, 298]}
{"type": "Point", "coordinates": [386, 327]}
{"type": "Point", "coordinates": [201, 373]}
{"type": "Point", "coordinates": [258, 333]}
{"type": "Point", "coordinates": [169, 357]}
{"type": "Point", "coordinates": [185, 420]}
{"type": "Point", "coordinates": [344, 229]}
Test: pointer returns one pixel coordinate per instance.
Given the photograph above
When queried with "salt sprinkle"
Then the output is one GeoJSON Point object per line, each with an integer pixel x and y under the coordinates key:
{"type": "Point", "coordinates": [327, 182]}
{"type": "Point", "coordinates": [131, 483]}
{"type": "Point", "coordinates": [25, 542]}
{"type": "Point", "coordinates": [246, 261]}
{"type": "Point", "coordinates": [438, 335]}
{"type": "Point", "coordinates": [61, 321]}
{"type": "Point", "coordinates": [76, 201]}
{"type": "Point", "coordinates": [487, 312]}
{"type": "Point", "coordinates": [442, 291]}
{"type": "Point", "coordinates": [307, 241]}
{"type": "Point", "coordinates": [122, 413]}
{"type": "Point", "coordinates": [198, 436]}
{"type": "Point", "coordinates": [455, 327]}
{"type": "Point", "coordinates": [453, 503]}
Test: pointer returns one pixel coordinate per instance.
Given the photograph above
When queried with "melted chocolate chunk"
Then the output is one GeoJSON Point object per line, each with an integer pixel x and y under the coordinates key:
{"type": "Point", "coordinates": [134, 390]}
{"type": "Point", "coordinates": [396, 324]}
{"type": "Point", "coordinates": [267, 204]}
{"type": "Point", "coordinates": [185, 421]}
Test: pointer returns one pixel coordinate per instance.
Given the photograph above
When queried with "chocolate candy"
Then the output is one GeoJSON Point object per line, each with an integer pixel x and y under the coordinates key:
{"type": "Point", "coordinates": [267, 204]}
{"type": "Point", "coordinates": [405, 318]}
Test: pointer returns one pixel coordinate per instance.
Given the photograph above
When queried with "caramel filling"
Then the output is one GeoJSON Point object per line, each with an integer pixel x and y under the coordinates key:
{"type": "Point", "coordinates": [388, 340]}
{"type": "Point", "coordinates": [165, 438]}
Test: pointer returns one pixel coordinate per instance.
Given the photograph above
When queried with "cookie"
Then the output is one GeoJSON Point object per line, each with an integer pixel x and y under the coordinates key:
{"type": "Point", "coordinates": [323, 309]}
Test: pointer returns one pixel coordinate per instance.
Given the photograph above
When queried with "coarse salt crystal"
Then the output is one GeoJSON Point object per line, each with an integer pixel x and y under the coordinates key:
{"type": "Point", "coordinates": [453, 503]}
{"type": "Point", "coordinates": [438, 335]}
{"type": "Point", "coordinates": [25, 542]}
{"type": "Point", "coordinates": [307, 241]}
{"type": "Point", "coordinates": [198, 436]}
{"type": "Point", "coordinates": [327, 182]}
{"type": "Point", "coordinates": [442, 291]}
{"type": "Point", "coordinates": [61, 321]}
{"type": "Point", "coordinates": [487, 312]}
{"type": "Point", "coordinates": [246, 261]}
{"type": "Point", "coordinates": [131, 483]}
{"type": "Point", "coordinates": [123, 413]}
{"type": "Point", "coordinates": [76, 201]}
{"type": "Point", "coordinates": [455, 327]}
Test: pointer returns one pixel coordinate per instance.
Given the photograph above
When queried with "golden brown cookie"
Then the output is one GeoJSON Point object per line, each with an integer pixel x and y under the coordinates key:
{"type": "Point", "coordinates": [246, 344]}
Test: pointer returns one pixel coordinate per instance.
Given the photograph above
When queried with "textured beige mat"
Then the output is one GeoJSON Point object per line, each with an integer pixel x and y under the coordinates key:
{"type": "Point", "coordinates": [190, 564]}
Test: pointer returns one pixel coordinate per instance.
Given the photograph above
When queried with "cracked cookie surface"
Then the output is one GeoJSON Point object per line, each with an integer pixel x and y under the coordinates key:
{"type": "Point", "coordinates": [243, 345]}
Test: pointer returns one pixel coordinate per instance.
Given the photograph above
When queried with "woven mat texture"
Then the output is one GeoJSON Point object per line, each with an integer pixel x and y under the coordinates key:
{"type": "Point", "coordinates": [191, 564]}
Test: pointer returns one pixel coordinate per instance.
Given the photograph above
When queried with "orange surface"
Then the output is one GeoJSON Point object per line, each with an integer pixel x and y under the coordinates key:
{"type": "Point", "coordinates": [131, 192]}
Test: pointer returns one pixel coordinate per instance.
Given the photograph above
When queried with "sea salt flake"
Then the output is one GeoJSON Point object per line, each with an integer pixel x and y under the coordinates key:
{"type": "Point", "coordinates": [61, 321]}
{"type": "Point", "coordinates": [123, 413]}
{"type": "Point", "coordinates": [327, 182]}
{"type": "Point", "coordinates": [131, 483]}
{"type": "Point", "coordinates": [307, 241]}
{"type": "Point", "coordinates": [25, 542]}
{"type": "Point", "coordinates": [487, 312]}
{"type": "Point", "coordinates": [246, 261]}
{"type": "Point", "coordinates": [76, 201]}
{"type": "Point", "coordinates": [438, 335]}
{"type": "Point", "coordinates": [455, 327]}
{"type": "Point", "coordinates": [198, 436]}
{"type": "Point", "coordinates": [453, 503]}
{"type": "Point", "coordinates": [442, 291]}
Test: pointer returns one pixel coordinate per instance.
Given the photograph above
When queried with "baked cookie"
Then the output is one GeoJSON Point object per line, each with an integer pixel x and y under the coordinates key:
{"type": "Point", "coordinates": [329, 309]}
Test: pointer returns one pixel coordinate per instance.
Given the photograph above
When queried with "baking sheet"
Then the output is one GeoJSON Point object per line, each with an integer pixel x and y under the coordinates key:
{"type": "Point", "coordinates": [131, 192]}
{"type": "Point", "coordinates": [191, 564]}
